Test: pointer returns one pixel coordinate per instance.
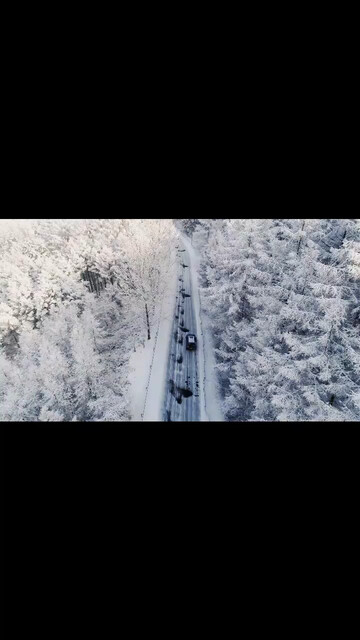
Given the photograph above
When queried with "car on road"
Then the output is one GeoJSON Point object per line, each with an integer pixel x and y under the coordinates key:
{"type": "Point", "coordinates": [191, 341]}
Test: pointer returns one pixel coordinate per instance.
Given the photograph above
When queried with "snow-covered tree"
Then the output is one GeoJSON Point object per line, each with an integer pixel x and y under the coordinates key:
{"type": "Point", "coordinates": [72, 307]}
{"type": "Point", "coordinates": [281, 312]}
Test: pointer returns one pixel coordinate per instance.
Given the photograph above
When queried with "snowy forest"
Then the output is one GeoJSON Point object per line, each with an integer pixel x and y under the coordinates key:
{"type": "Point", "coordinates": [282, 299]}
{"type": "Point", "coordinates": [76, 296]}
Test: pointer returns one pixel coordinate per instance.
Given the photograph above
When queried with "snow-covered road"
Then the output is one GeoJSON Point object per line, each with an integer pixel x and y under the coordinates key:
{"type": "Point", "coordinates": [155, 363]}
{"type": "Point", "coordinates": [183, 390]}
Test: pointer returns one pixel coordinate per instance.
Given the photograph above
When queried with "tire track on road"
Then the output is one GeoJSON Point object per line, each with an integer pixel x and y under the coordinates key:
{"type": "Point", "coordinates": [185, 374]}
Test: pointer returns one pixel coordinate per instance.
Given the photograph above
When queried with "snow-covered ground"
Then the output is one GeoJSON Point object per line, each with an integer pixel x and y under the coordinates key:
{"type": "Point", "coordinates": [148, 365]}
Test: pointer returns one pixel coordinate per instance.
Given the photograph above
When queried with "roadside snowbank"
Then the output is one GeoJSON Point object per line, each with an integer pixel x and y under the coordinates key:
{"type": "Point", "coordinates": [148, 365]}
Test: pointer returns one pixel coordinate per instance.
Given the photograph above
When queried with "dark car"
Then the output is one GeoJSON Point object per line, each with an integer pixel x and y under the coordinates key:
{"type": "Point", "coordinates": [191, 341]}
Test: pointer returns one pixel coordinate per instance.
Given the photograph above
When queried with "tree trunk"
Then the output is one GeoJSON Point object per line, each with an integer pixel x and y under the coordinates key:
{"type": "Point", "coordinates": [147, 321]}
{"type": "Point", "coordinates": [89, 279]}
{"type": "Point", "coordinates": [300, 241]}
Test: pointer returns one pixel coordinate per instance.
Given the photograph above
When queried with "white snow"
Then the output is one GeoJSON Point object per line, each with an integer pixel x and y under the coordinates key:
{"type": "Point", "coordinates": [148, 365]}
{"type": "Point", "coordinates": [210, 403]}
